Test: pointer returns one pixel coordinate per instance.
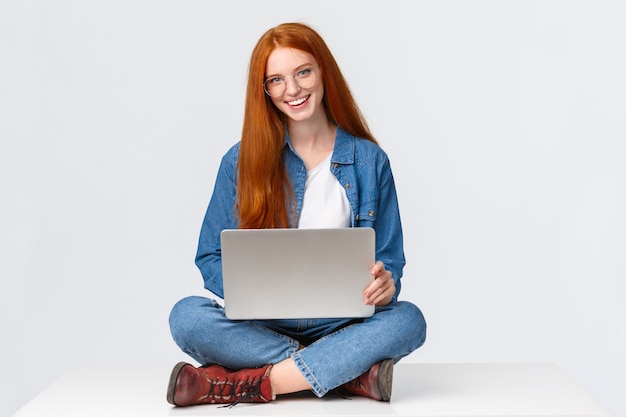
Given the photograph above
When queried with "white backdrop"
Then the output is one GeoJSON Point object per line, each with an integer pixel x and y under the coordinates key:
{"type": "Point", "coordinates": [504, 122]}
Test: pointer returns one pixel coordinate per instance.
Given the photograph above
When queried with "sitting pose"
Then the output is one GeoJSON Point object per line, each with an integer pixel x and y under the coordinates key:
{"type": "Point", "coordinates": [306, 159]}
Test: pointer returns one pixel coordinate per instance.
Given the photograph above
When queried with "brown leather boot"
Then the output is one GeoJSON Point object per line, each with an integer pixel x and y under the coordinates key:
{"type": "Point", "coordinates": [215, 384]}
{"type": "Point", "coordinates": [375, 383]}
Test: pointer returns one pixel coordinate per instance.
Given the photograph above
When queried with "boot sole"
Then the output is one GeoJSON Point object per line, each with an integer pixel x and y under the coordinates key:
{"type": "Point", "coordinates": [171, 387]}
{"type": "Point", "coordinates": [385, 379]}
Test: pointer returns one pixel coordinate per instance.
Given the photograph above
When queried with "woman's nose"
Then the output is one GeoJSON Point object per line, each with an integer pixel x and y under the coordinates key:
{"type": "Point", "coordinates": [291, 86]}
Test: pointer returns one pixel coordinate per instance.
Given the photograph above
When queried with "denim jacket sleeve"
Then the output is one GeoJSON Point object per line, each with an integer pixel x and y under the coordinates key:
{"type": "Point", "coordinates": [220, 215]}
{"type": "Point", "coordinates": [378, 208]}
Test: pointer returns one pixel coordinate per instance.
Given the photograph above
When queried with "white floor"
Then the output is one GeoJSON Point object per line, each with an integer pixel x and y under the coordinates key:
{"type": "Point", "coordinates": [418, 390]}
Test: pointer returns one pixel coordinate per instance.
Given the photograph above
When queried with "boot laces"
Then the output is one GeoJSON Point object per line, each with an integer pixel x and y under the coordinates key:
{"type": "Point", "coordinates": [243, 390]}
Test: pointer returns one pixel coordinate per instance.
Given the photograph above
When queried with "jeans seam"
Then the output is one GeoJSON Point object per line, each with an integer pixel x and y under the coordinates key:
{"type": "Point", "coordinates": [293, 342]}
{"type": "Point", "coordinates": [316, 387]}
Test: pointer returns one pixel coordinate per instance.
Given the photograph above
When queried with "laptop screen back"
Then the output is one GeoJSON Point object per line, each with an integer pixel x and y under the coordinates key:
{"type": "Point", "coordinates": [296, 273]}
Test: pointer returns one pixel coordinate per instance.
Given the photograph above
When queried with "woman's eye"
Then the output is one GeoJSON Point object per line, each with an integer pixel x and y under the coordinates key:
{"type": "Point", "coordinates": [303, 73]}
{"type": "Point", "coordinates": [274, 80]}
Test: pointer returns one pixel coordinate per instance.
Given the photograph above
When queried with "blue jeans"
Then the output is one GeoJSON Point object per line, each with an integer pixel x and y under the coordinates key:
{"type": "Point", "coordinates": [328, 352]}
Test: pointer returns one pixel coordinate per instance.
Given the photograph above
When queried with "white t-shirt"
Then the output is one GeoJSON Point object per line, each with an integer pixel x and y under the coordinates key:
{"type": "Point", "coordinates": [325, 202]}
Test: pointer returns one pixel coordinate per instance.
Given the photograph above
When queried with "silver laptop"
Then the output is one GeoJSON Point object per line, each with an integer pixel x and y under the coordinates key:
{"type": "Point", "coordinates": [296, 273]}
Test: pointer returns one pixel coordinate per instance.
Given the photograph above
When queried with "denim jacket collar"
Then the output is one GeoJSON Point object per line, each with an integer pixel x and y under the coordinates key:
{"type": "Point", "coordinates": [343, 151]}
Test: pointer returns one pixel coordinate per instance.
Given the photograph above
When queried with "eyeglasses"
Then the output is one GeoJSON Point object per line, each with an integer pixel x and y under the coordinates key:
{"type": "Point", "coordinates": [276, 86]}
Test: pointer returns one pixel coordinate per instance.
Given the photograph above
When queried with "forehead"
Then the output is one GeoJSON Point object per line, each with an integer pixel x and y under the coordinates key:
{"type": "Point", "coordinates": [286, 60]}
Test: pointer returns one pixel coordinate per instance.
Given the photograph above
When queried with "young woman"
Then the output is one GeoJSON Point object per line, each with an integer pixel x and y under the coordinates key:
{"type": "Point", "coordinates": [306, 159]}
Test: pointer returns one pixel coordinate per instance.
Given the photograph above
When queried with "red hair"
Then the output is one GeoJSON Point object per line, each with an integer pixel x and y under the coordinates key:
{"type": "Point", "coordinates": [264, 194]}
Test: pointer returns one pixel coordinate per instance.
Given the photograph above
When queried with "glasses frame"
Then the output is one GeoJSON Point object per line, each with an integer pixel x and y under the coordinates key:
{"type": "Point", "coordinates": [295, 80]}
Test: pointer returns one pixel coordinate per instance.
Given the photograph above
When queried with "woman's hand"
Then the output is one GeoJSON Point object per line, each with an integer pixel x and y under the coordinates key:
{"type": "Point", "coordinates": [381, 291]}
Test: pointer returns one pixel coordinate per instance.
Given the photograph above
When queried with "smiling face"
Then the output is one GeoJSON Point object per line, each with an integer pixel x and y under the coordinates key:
{"type": "Point", "coordinates": [295, 68]}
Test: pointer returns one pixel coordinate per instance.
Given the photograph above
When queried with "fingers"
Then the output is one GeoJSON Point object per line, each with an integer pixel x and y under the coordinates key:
{"type": "Point", "coordinates": [382, 289]}
{"type": "Point", "coordinates": [380, 296]}
{"type": "Point", "coordinates": [378, 269]}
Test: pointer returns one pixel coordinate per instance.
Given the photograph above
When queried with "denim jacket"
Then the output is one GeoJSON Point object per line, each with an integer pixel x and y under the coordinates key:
{"type": "Point", "coordinates": [363, 169]}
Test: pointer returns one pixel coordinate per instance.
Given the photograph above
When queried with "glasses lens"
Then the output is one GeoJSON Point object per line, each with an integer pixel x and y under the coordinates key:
{"type": "Point", "coordinates": [305, 78]}
{"type": "Point", "coordinates": [276, 86]}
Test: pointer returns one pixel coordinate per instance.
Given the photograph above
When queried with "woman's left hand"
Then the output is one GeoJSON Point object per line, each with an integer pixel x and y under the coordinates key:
{"type": "Point", "coordinates": [381, 291]}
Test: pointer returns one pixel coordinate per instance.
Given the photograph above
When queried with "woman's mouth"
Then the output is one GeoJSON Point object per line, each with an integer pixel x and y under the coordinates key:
{"type": "Point", "coordinates": [298, 102]}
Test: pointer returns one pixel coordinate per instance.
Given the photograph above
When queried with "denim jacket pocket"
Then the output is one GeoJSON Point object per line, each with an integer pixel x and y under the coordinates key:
{"type": "Point", "coordinates": [366, 217]}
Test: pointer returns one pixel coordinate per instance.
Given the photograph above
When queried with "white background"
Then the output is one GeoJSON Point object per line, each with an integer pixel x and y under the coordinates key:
{"type": "Point", "coordinates": [504, 122]}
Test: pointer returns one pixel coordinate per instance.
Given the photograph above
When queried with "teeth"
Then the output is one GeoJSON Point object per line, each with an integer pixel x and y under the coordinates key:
{"type": "Point", "coordinates": [296, 102]}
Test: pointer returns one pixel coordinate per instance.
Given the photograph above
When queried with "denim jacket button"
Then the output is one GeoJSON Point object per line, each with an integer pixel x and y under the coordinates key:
{"type": "Point", "coordinates": [347, 186]}
{"type": "Point", "coordinates": [371, 213]}
{"type": "Point", "coordinates": [336, 165]}
{"type": "Point", "coordinates": [357, 217]}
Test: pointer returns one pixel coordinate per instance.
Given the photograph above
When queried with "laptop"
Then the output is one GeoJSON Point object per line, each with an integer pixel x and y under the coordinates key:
{"type": "Point", "coordinates": [296, 273]}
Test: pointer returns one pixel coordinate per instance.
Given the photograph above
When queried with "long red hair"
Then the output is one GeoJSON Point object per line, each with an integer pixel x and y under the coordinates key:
{"type": "Point", "coordinates": [264, 194]}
